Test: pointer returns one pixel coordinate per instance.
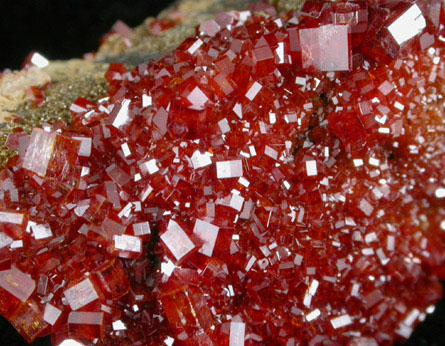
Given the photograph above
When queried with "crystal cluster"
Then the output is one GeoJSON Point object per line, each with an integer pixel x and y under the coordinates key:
{"type": "Point", "coordinates": [275, 180]}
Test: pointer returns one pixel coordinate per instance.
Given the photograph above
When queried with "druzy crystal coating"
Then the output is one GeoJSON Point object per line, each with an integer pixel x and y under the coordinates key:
{"type": "Point", "coordinates": [275, 180]}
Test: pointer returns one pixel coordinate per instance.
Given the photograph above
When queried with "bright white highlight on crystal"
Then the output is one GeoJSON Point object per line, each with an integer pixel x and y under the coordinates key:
{"type": "Point", "coordinates": [326, 47]}
{"type": "Point", "coordinates": [236, 202]}
{"type": "Point", "coordinates": [250, 263]}
{"type": "Point", "coordinates": [229, 169]}
{"type": "Point", "coordinates": [17, 283]}
{"type": "Point", "coordinates": [167, 268]}
{"type": "Point", "coordinates": [39, 60]}
{"type": "Point", "coordinates": [272, 153]}
{"type": "Point", "coordinates": [313, 287]}
{"type": "Point", "coordinates": [412, 317]}
{"type": "Point", "coordinates": [399, 106]}
{"type": "Point", "coordinates": [81, 294]}
{"type": "Point", "coordinates": [280, 52]}
{"type": "Point", "coordinates": [85, 146]}
{"type": "Point", "coordinates": [311, 168]}
{"type": "Point", "coordinates": [355, 289]}
{"type": "Point", "coordinates": [224, 125]}
{"type": "Point", "coordinates": [272, 118]}
{"type": "Point", "coordinates": [11, 217]}
{"type": "Point", "coordinates": [313, 315]}
{"type": "Point", "coordinates": [195, 46]}
{"type": "Point", "coordinates": [307, 300]}
{"type": "Point", "coordinates": [243, 181]}
{"type": "Point", "coordinates": [300, 81]}
{"type": "Point", "coordinates": [51, 314]}
{"type": "Point", "coordinates": [358, 162]}
{"type": "Point", "coordinates": [440, 193]}
{"type": "Point", "coordinates": [237, 333]}
{"type": "Point", "coordinates": [201, 160]}
{"type": "Point", "coordinates": [370, 237]}
{"type": "Point", "coordinates": [146, 101]}
{"type": "Point", "coordinates": [390, 243]}
{"type": "Point", "coordinates": [374, 162]}
{"type": "Point", "coordinates": [366, 207]}
{"type": "Point", "coordinates": [127, 243]}
{"type": "Point", "coordinates": [118, 325]}
{"type": "Point", "coordinates": [404, 331]}
{"type": "Point", "coordinates": [122, 116]}
{"type": "Point", "coordinates": [253, 91]}
{"type": "Point", "coordinates": [41, 231]}
{"type": "Point", "coordinates": [197, 98]}
{"type": "Point", "coordinates": [16, 244]}
{"type": "Point", "coordinates": [408, 25]}
{"type": "Point", "coordinates": [169, 341]}
{"type": "Point", "coordinates": [177, 240]}
{"type": "Point", "coordinates": [252, 150]}
{"type": "Point", "coordinates": [141, 228]}
{"type": "Point", "coordinates": [126, 149]}
{"type": "Point", "coordinates": [149, 167]}
{"type": "Point", "coordinates": [341, 321]}
{"type": "Point", "coordinates": [237, 109]}
{"type": "Point", "coordinates": [39, 151]}
{"type": "Point", "coordinates": [70, 342]}
{"type": "Point", "coordinates": [208, 233]}
{"type": "Point", "coordinates": [298, 260]}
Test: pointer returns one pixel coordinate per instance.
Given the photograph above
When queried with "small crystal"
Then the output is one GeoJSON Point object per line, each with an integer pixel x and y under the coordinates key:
{"type": "Point", "coordinates": [39, 60]}
{"type": "Point", "coordinates": [127, 243]}
{"type": "Point", "coordinates": [208, 233]}
{"type": "Point", "coordinates": [81, 294]}
{"type": "Point", "coordinates": [122, 117]}
{"type": "Point", "coordinates": [311, 168]}
{"type": "Point", "coordinates": [341, 321]}
{"type": "Point", "coordinates": [51, 314]}
{"type": "Point", "coordinates": [237, 333]}
{"type": "Point", "coordinates": [141, 228]}
{"type": "Point", "coordinates": [201, 160]}
{"type": "Point", "coordinates": [313, 315]}
{"type": "Point", "coordinates": [41, 231]}
{"type": "Point", "coordinates": [253, 91]}
{"type": "Point", "coordinates": [229, 169]}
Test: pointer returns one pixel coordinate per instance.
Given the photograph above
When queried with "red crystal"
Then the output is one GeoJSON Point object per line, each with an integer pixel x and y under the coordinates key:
{"type": "Point", "coordinates": [275, 180]}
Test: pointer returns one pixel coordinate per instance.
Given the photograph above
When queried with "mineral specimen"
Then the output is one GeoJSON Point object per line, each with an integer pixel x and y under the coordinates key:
{"type": "Point", "coordinates": [275, 180]}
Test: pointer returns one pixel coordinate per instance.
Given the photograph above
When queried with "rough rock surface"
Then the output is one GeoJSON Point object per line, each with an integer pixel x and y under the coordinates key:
{"type": "Point", "coordinates": [68, 80]}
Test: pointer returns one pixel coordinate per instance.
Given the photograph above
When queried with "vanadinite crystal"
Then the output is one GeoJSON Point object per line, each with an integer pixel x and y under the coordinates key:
{"type": "Point", "coordinates": [275, 180]}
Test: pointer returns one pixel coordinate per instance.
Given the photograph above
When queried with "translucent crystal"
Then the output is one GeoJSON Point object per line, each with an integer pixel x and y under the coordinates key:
{"type": "Point", "coordinates": [81, 294]}
{"type": "Point", "coordinates": [176, 240]}
{"type": "Point", "coordinates": [17, 283]}
{"type": "Point", "coordinates": [408, 25]}
{"type": "Point", "coordinates": [237, 333]}
{"type": "Point", "coordinates": [229, 169]}
{"type": "Point", "coordinates": [326, 48]}
{"type": "Point", "coordinates": [208, 233]}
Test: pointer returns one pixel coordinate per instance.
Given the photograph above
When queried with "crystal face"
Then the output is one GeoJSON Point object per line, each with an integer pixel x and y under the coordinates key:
{"type": "Point", "coordinates": [275, 180]}
{"type": "Point", "coordinates": [326, 48]}
{"type": "Point", "coordinates": [81, 294]}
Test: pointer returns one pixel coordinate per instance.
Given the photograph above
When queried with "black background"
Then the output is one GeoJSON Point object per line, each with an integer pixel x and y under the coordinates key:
{"type": "Point", "coordinates": [61, 29]}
